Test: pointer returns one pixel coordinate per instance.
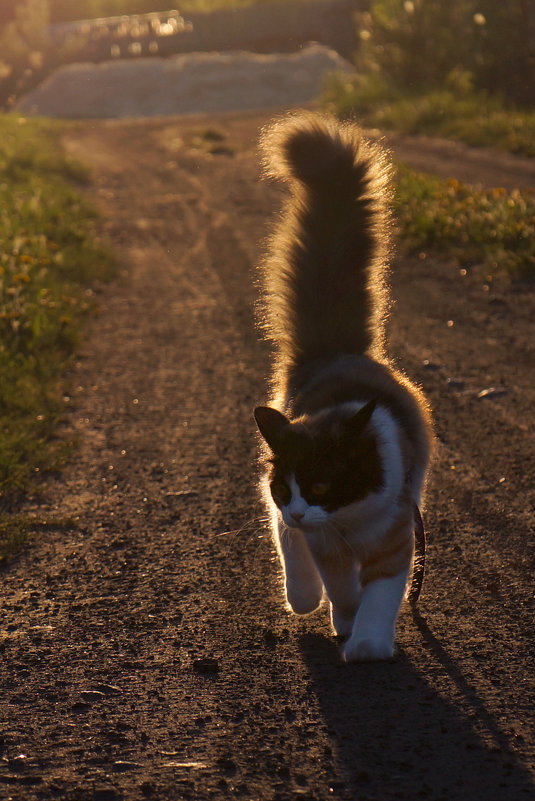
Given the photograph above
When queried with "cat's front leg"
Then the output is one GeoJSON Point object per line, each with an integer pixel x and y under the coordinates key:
{"type": "Point", "coordinates": [304, 587]}
{"type": "Point", "coordinates": [384, 578]}
{"type": "Point", "coordinates": [372, 637]}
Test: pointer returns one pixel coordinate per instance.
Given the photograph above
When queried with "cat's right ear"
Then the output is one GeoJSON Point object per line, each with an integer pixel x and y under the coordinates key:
{"type": "Point", "coordinates": [272, 425]}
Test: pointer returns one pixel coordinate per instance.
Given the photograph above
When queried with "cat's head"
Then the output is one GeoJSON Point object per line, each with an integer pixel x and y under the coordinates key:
{"type": "Point", "coordinates": [320, 464]}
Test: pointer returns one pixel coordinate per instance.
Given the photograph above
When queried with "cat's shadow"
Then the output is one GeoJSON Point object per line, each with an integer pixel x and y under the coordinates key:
{"type": "Point", "coordinates": [398, 735]}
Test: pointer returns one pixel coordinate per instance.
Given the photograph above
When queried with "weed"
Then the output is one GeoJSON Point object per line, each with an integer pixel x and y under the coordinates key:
{"type": "Point", "coordinates": [468, 116]}
{"type": "Point", "coordinates": [49, 257]}
{"type": "Point", "coordinates": [14, 531]}
{"type": "Point", "coordinates": [491, 227]}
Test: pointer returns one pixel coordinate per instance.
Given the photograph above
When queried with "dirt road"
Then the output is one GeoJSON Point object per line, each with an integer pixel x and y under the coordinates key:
{"type": "Point", "coordinates": [146, 649]}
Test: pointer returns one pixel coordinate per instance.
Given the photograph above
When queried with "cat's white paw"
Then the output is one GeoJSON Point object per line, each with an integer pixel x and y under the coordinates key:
{"type": "Point", "coordinates": [368, 649]}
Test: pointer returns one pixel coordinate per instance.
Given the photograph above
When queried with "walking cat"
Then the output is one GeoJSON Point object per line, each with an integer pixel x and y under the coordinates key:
{"type": "Point", "coordinates": [348, 436]}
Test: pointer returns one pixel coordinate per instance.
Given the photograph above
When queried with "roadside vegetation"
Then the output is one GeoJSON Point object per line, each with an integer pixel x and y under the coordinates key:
{"type": "Point", "coordinates": [475, 118]}
{"type": "Point", "coordinates": [49, 259]}
{"type": "Point", "coordinates": [493, 228]}
{"type": "Point", "coordinates": [462, 70]}
{"type": "Point", "coordinates": [465, 71]}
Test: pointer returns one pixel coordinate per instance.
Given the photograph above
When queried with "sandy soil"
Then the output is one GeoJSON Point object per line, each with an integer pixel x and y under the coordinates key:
{"type": "Point", "coordinates": [146, 649]}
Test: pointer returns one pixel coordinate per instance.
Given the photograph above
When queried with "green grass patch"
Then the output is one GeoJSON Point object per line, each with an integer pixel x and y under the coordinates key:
{"type": "Point", "coordinates": [491, 227]}
{"type": "Point", "coordinates": [454, 113]}
{"type": "Point", "coordinates": [49, 258]}
{"type": "Point", "coordinates": [14, 530]}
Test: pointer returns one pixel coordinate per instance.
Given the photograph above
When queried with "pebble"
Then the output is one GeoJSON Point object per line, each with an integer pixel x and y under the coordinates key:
{"type": "Point", "coordinates": [183, 494]}
{"type": "Point", "coordinates": [491, 392]}
{"type": "Point", "coordinates": [108, 689]}
{"type": "Point", "coordinates": [227, 765]}
{"type": "Point", "coordinates": [18, 763]}
{"type": "Point", "coordinates": [80, 706]}
{"type": "Point", "coordinates": [428, 365]}
{"type": "Point", "coordinates": [123, 765]}
{"type": "Point", "coordinates": [270, 638]}
{"type": "Point", "coordinates": [206, 665]}
{"type": "Point", "coordinates": [92, 695]}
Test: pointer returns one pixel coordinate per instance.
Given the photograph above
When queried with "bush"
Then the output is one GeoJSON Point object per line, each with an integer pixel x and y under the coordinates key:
{"type": "Point", "coordinates": [417, 44]}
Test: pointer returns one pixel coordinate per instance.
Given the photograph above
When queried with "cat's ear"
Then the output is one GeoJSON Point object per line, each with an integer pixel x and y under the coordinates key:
{"type": "Point", "coordinates": [272, 425]}
{"type": "Point", "coordinates": [356, 424]}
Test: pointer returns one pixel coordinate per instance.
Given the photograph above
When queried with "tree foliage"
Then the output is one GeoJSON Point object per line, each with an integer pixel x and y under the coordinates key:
{"type": "Point", "coordinates": [24, 44]}
{"type": "Point", "coordinates": [418, 45]}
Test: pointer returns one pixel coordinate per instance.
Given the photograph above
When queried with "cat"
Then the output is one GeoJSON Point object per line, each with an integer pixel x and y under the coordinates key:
{"type": "Point", "coordinates": [348, 436]}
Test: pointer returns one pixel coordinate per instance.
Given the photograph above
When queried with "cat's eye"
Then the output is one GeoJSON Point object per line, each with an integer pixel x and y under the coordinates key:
{"type": "Point", "coordinates": [320, 489]}
{"type": "Point", "coordinates": [281, 492]}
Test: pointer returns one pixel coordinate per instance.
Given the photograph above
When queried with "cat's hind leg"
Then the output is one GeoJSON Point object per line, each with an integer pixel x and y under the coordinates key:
{"type": "Point", "coordinates": [342, 586]}
{"type": "Point", "coordinates": [304, 587]}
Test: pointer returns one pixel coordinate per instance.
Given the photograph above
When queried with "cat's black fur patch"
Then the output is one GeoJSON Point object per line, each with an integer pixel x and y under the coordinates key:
{"type": "Point", "coordinates": [344, 462]}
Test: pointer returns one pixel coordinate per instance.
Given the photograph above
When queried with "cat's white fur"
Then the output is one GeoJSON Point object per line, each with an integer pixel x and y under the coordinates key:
{"type": "Point", "coordinates": [320, 551]}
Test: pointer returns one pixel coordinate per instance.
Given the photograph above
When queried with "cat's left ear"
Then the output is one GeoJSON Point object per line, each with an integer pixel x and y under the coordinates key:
{"type": "Point", "coordinates": [356, 424]}
{"type": "Point", "coordinates": [272, 425]}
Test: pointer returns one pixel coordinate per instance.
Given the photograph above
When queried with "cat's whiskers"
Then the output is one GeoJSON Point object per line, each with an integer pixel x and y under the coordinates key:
{"type": "Point", "coordinates": [248, 526]}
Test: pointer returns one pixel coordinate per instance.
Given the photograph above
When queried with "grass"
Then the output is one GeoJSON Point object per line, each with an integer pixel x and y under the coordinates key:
{"type": "Point", "coordinates": [455, 113]}
{"type": "Point", "coordinates": [49, 258]}
{"type": "Point", "coordinates": [14, 531]}
{"type": "Point", "coordinates": [490, 227]}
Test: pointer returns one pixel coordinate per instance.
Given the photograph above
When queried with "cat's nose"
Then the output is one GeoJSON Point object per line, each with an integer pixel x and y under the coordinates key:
{"type": "Point", "coordinates": [297, 516]}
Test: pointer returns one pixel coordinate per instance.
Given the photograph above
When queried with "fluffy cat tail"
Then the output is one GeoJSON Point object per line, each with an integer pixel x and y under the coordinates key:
{"type": "Point", "coordinates": [324, 272]}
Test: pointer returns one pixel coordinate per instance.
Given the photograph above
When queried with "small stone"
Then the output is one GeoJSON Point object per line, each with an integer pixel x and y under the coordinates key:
{"type": "Point", "coordinates": [123, 765]}
{"type": "Point", "coordinates": [80, 706]}
{"type": "Point", "coordinates": [181, 495]}
{"type": "Point", "coordinates": [491, 392]}
{"type": "Point", "coordinates": [206, 665]}
{"type": "Point", "coordinates": [429, 365]}
{"type": "Point", "coordinates": [108, 689]}
{"type": "Point", "coordinates": [227, 765]}
{"type": "Point", "coordinates": [270, 638]}
{"type": "Point", "coordinates": [92, 695]}
{"type": "Point", "coordinates": [18, 763]}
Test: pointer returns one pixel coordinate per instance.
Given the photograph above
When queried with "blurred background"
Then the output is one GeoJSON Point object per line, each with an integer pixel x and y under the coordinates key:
{"type": "Point", "coordinates": [398, 47]}
{"type": "Point", "coordinates": [39, 36]}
